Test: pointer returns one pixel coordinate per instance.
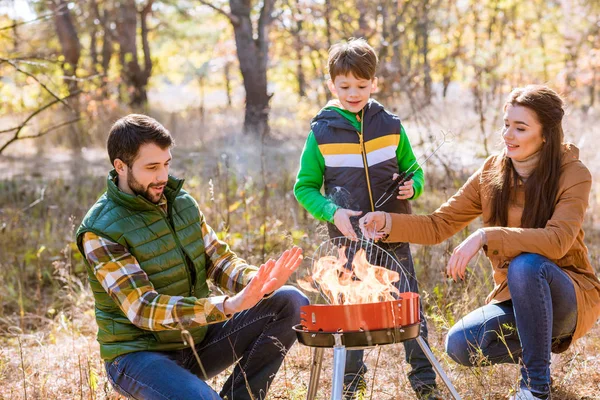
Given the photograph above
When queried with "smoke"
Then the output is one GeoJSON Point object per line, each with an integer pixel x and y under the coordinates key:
{"type": "Point", "coordinates": [342, 197]}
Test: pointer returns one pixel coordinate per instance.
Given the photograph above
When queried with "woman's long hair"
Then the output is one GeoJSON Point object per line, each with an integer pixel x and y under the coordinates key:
{"type": "Point", "coordinates": [541, 187]}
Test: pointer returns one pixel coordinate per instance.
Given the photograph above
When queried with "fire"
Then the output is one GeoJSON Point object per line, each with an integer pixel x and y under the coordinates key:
{"type": "Point", "coordinates": [363, 283]}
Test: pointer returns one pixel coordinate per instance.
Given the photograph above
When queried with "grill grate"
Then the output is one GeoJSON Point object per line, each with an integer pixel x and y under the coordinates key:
{"type": "Point", "coordinates": [374, 254]}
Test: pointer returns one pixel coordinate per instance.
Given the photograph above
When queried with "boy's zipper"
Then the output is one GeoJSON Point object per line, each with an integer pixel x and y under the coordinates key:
{"type": "Point", "coordinates": [363, 151]}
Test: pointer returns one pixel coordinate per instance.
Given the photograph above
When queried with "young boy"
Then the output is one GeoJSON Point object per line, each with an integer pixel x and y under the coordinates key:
{"type": "Point", "coordinates": [354, 148]}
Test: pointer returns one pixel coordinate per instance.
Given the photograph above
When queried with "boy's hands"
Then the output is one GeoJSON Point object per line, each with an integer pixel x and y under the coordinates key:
{"type": "Point", "coordinates": [341, 219]}
{"type": "Point", "coordinates": [270, 276]}
{"type": "Point", "coordinates": [405, 191]}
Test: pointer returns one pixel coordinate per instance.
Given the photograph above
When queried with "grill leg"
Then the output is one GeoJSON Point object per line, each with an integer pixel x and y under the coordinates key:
{"type": "Point", "coordinates": [339, 365]}
{"type": "Point", "coordinates": [438, 368]}
{"type": "Point", "coordinates": [315, 372]}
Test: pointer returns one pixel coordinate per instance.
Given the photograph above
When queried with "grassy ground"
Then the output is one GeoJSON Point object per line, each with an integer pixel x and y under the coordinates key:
{"type": "Point", "coordinates": [47, 329]}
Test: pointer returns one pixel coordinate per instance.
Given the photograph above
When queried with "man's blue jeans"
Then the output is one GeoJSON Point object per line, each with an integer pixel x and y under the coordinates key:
{"type": "Point", "coordinates": [421, 374]}
{"type": "Point", "coordinates": [255, 341]}
{"type": "Point", "coordinates": [543, 308]}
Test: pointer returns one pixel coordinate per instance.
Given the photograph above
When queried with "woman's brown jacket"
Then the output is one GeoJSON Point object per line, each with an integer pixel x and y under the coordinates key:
{"type": "Point", "coordinates": [561, 240]}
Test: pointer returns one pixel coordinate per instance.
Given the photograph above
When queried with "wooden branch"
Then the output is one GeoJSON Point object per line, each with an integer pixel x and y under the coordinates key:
{"type": "Point", "coordinates": [32, 60]}
{"type": "Point", "coordinates": [46, 88]}
{"type": "Point", "coordinates": [40, 134]}
{"type": "Point", "coordinates": [53, 128]}
{"type": "Point", "coordinates": [232, 18]}
{"type": "Point", "coordinates": [148, 7]}
{"type": "Point", "coordinates": [30, 117]}
{"type": "Point", "coordinates": [9, 129]}
{"type": "Point", "coordinates": [36, 202]}
{"type": "Point", "coordinates": [264, 20]}
{"type": "Point", "coordinates": [41, 17]}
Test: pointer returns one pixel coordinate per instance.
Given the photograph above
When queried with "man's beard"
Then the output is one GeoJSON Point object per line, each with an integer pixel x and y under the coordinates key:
{"type": "Point", "coordinates": [140, 190]}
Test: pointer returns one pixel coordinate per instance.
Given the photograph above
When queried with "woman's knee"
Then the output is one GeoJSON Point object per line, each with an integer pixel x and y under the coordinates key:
{"type": "Point", "coordinates": [458, 346]}
{"type": "Point", "coordinates": [524, 267]}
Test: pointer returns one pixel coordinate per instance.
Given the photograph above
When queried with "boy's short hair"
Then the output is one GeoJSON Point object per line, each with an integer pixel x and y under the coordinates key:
{"type": "Point", "coordinates": [354, 56]}
{"type": "Point", "coordinates": [129, 133]}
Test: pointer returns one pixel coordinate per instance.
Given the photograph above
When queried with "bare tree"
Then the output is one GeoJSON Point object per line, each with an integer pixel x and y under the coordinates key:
{"type": "Point", "coordinates": [253, 56]}
{"type": "Point", "coordinates": [71, 51]}
{"type": "Point", "coordinates": [101, 60]}
{"type": "Point", "coordinates": [69, 40]}
{"type": "Point", "coordinates": [294, 26]}
{"type": "Point", "coordinates": [15, 133]}
{"type": "Point", "coordinates": [297, 32]}
{"type": "Point", "coordinates": [133, 75]}
{"type": "Point", "coordinates": [423, 27]}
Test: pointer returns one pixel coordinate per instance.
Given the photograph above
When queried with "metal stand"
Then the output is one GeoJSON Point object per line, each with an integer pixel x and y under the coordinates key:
{"type": "Point", "coordinates": [339, 361]}
{"type": "Point", "coordinates": [339, 365]}
{"type": "Point", "coordinates": [438, 368]}
{"type": "Point", "coordinates": [315, 372]}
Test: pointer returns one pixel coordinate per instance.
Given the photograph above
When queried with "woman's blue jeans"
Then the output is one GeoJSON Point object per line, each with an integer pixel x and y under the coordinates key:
{"type": "Point", "coordinates": [255, 341]}
{"type": "Point", "coordinates": [543, 308]}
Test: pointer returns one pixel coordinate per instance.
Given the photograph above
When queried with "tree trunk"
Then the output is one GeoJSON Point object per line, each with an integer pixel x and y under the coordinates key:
{"type": "Point", "coordinates": [253, 55]}
{"type": "Point", "coordinates": [71, 51]}
{"type": "Point", "coordinates": [297, 32]}
{"type": "Point", "coordinates": [327, 16]}
{"type": "Point", "coordinates": [107, 37]}
{"type": "Point", "coordinates": [69, 41]}
{"type": "Point", "coordinates": [392, 15]}
{"type": "Point", "coordinates": [592, 87]}
{"type": "Point", "coordinates": [201, 109]}
{"type": "Point", "coordinates": [300, 69]}
{"type": "Point", "coordinates": [424, 33]}
{"type": "Point", "coordinates": [133, 75]}
{"type": "Point", "coordinates": [227, 73]}
{"type": "Point", "coordinates": [363, 25]}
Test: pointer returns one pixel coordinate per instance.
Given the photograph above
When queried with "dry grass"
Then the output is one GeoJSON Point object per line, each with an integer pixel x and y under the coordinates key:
{"type": "Point", "coordinates": [62, 361]}
{"type": "Point", "coordinates": [47, 344]}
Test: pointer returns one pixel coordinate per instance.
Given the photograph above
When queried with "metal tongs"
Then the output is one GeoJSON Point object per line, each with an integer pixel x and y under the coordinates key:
{"type": "Point", "coordinates": [408, 174]}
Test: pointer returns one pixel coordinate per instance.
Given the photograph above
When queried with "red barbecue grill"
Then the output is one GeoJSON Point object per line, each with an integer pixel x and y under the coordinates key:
{"type": "Point", "coordinates": [354, 326]}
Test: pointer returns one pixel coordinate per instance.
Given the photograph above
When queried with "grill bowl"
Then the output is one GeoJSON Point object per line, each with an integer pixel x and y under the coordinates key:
{"type": "Point", "coordinates": [358, 339]}
{"type": "Point", "coordinates": [360, 324]}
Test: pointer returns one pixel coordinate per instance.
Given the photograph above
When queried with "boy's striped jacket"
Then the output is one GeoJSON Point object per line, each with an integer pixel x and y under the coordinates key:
{"type": "Point", "coordinates": [354, 157]}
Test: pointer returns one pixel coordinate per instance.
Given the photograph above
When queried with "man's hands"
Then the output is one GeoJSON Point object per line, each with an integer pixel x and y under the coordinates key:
{"type": "Point", "coordinates": [375, 225]}
{"type": "Point", "coordinates": [270, 276]}
{"type": "Point", "coordinates": [341, 219]}
{"type": "Point", "coordinates": [463, 253]}
{"type": "Point", "coordinates": [405, 191]}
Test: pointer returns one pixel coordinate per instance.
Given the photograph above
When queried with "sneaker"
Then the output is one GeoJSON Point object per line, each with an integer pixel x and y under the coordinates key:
{"type": "Point", "coordinates": [356, 388]}
{"type": "Point", "coordinates": [526, 394]}
{"type": "Point", "coordinates": [428, 393]}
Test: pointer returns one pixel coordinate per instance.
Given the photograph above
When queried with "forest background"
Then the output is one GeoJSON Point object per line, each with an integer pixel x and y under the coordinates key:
{"type": "Point", "coordinates": [237, 82]}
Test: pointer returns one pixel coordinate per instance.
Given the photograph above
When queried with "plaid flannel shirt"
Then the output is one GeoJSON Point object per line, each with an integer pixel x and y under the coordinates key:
{"type": "Point", "coordinates": [120, 274]}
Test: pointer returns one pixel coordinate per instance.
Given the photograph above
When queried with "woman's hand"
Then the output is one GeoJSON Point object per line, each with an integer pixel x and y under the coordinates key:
{"type": "Point", "coordinates": [463, 253]}
{"type": "Point", "coordinates": [270, 276]}
{"type": "Point", "coordinates": [375, 225]}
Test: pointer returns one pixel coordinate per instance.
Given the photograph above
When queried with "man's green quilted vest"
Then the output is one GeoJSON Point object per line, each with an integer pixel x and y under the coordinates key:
{"type": "Point", "coordinates": [168, 247]}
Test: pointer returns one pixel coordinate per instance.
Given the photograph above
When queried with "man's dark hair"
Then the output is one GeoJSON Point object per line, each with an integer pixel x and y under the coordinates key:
{"type": "Point", "coordinates": [129, 133]}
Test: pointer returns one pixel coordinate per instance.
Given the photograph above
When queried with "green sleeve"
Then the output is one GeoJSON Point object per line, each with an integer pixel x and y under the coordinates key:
{"type": "Point", "coordinates": [406, 158]}
{"type": "Point", "coordinates": [310, 180]}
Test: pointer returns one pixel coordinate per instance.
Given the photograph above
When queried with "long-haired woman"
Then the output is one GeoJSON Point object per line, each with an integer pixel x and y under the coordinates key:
{"type": "Point", "coordinates": [532, 197]}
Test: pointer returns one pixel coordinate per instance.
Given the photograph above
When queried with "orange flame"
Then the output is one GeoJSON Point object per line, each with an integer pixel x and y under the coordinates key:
{"type": "Point", "coordinates": [364, 283]}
